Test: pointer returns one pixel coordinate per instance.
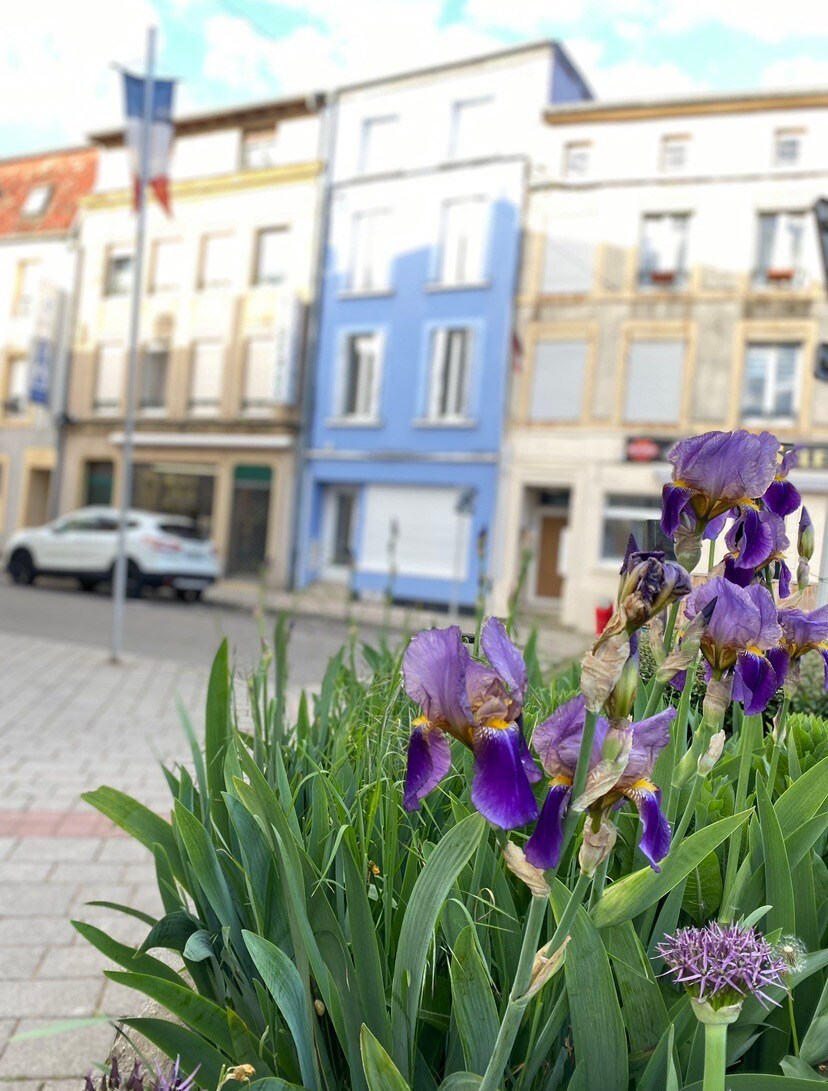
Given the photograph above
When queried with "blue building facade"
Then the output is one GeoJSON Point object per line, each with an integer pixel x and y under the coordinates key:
{"type": "Point", "coordinates": [414, 346]}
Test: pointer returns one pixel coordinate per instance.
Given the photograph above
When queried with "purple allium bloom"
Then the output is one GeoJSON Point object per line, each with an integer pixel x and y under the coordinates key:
{"type": "Point", "coordinates": [781, 496]}
{"type": "Point", "coordinates": [723, 965]}
{"type": "Point", "coordinates": [713, 473]}
{"type": "Point", "coordinates": [741, 630]}
{"type": "Point", "coordinates": [479, 704]}
{"type": "Point", "coordinates": [558, 743]}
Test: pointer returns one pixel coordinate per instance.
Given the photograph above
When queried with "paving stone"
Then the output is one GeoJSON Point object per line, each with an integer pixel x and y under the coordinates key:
{"type": "Point", "coordinates": [17, 961]}
{"type": "Point", "coordinates": [70, 998]}
{"type": "Point", "coordinates": [20, 899]}
{"type": "Point", "coordinates": [54, 1054]}
{"type": "Point", "coordinates": [54, 848]}
{"type": "Point", "coordinates": [72, 960]}
{"type": "Point", "coordinates": [35, 931]}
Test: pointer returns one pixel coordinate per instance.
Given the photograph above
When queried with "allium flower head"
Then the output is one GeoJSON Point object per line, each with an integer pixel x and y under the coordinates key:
{"type": "Point", "coordinates": [721, 966]}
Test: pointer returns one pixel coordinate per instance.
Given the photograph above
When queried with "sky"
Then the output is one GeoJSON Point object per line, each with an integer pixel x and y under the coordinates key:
{"type": "Point", "coordinates": [58, 83]}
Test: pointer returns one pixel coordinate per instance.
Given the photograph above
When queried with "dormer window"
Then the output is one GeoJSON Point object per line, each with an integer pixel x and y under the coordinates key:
{"type": "Point", "coordinates": [787, 147]}
{"type": "Point", "coordinates": [260, 148]}
{"type": "Point", "coordinates": [37, 201]}
{"type": "Point", "coordinates": [576, 159]}
{"type": "Point", "coordinates": [674, 153]}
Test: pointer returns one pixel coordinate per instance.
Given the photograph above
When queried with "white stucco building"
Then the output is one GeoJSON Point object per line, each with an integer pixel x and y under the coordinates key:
{"type": "Point", "coordinates": [671, 283]}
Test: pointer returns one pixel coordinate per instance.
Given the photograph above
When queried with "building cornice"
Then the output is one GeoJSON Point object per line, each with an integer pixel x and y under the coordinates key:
{"type": "Point", "coordinates": [218, 185]}
{"type": "Point", "coordinates": [579, 113]}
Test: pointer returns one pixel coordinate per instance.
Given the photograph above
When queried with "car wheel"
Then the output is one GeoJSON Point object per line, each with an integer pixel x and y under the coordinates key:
{"type": "Point", "coordinates": [87, 585]}
{"type": "Point", "coordinates": [192, 594]}
{"type": "Point", "coordinates": [21, 567]}
{"type": "Point", "coordinates": [134, 580]}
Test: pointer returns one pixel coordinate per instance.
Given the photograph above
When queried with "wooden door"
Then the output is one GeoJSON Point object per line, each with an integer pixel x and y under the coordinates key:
{"type": "Point", "coordinates": [548, 581]}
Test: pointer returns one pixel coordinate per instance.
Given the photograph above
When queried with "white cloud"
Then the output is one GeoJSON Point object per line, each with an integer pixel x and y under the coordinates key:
{"type": "Point", "coordinates": [352, 42]}
{"type": "Point", "coordinates": [526, 17]}
{"type": "Point", "coordinates": [796, 72]}
{"type": "Point", "coordinates": [56, 79]}
{"type": "Point", "coordinates": [768, 20]}
{"type": "Point", "coordinates": [635, 78]}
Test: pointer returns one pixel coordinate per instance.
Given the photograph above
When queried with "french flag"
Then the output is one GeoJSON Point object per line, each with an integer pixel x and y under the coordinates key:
{"type": "Point", "coordinates": [160, 135]}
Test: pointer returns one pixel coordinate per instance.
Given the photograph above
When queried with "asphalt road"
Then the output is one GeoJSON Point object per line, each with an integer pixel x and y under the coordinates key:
{"type": "Point", "coordinates": [165, 628]}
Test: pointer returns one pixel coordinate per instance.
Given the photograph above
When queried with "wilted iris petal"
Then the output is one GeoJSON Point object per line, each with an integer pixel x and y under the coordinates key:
{"type": "Point", "coordinates": [754, 682]}
{"type": "Point", "coordinates": [543, 849]}
{"type": "Point", "coordinates": [674, 499]}
{"type": "Point", "coordinates": [429, 759]}
{"type": "Point", "coordinates": [655, 837]}
{"type": "Point", "coordinates": [434, 669]}
{"type": "Point", "coordinates": [501, 789]}
{"type": "Point", "coordinates": [505, 657]}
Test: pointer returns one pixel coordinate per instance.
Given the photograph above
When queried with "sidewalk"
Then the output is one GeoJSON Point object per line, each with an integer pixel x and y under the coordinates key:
{"type": "Point", "coordinates": [71, 720]}
{"type": "Point", "coordinates": [330, 600]}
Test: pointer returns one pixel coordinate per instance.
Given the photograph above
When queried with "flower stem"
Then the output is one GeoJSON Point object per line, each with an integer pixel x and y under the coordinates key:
{"type": "Point", "coordinates": [794, 1035]}
{"type": "Point", "coordinates": [715, 1056]}
{"type": "Point", "coordinates": [711, 556]}
{"type": "Point", "coordinates": [777, 745]}
{"type": "Point", "coordinates": [579, 779]}
{"type": "Point", "coordinates": [513, 1015]}
{"type": "Point", "coordinates": [751, 728]}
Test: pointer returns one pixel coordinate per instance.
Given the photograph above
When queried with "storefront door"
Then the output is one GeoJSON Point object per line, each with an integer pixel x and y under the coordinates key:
{"type": "Point", "coordinates": [549, 569]}
{"type": "Point", "coordinates": [248, 526]}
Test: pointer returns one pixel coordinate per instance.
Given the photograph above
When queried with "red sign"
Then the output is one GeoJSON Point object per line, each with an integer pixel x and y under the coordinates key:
{"type": "Point", "coordinates": [647, 449]}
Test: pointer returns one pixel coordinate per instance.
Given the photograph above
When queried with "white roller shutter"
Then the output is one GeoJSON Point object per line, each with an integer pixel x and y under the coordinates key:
{"type": "Point", "coordinates": [433, 540]}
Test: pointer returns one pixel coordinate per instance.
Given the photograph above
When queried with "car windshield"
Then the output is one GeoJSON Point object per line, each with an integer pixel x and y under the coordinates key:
{"type": "Point", "coordinates": [189, 531]}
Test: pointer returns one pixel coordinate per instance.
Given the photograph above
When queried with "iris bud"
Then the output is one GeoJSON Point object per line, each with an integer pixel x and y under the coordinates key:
{"type": "Point", "coordinates": [805, 541]}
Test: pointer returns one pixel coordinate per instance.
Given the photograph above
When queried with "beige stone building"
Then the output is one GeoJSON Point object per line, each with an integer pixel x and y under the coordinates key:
{"type": "Point", "coordinates": [227, 282]}
{"type": "Point", "coordinates": [671, 284]}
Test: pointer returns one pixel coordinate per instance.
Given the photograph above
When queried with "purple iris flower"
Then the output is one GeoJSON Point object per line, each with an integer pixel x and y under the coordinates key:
{"type": "Point", "coordinates": [781, 497]}
{"type": "Point", "coordinates": [741, 630]}
{"type": "Point", "coordinates": [479, 704]}
{"type": "Point", "coordinates": [713, 473]}
{"type": "Point", "coordinates": [558, 743]}
{"type": "Point", "coordinates": [801, 632]}
{"type": "Point", "coordinates": [755, 540]}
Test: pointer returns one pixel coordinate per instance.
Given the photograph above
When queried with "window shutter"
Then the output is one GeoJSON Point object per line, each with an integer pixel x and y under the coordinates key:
{"type": "Point", "coordinates": [109, 380]}
{"type": "Point", "coordinates": [558, 381]}
{"type": "Point", "coordinates": [569, 262]}
{"type": "Point", "coordinates": [438, 373]}
{"type": "Point", "coordinates": [654, 374]}
{"type": "Point", "coordinates": [259, 373]}
{"type": "Point", "coordinates": [205, 391]}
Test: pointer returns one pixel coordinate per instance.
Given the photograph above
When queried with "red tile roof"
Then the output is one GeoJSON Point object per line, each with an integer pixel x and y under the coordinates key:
{"type": "Point", "coordinates": [70, 174]}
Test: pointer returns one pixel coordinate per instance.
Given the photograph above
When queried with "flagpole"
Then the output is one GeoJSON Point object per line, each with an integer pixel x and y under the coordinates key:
{"type": "Point", "coordinates": [119, 579]}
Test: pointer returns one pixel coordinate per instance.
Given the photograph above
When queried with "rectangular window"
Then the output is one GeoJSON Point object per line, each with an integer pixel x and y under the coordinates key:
{"type": "Point", "coordinates": [205, 381]}
{"type": "Point", "coordinates": [271, 255]}
{"type": "Point", "coordinates": [577, 154]}
{"type": "Point", "coordinates": [558, 380]}
{"type": "Point", "coordinates": [787, 147]}
{"type": "Point", "coordinates": [265, 375]}
{"type": "Point", "coordinates": [625, 515]}
{"type": "Point", "coordinates": [663, 262]}
{"type": "Point", "coordinates": [448, 398]}
{"type": "Point", "coordinates": [154, 365]}
{"type": "Point", "coordinates": [771, 382]}
{"type": "Point", "coordinates": [654, 379]}
{"type": "Point", "coordinates": [15, 402]}
{"type": "Point", "coordinates": [167, 261]}
{"type": "Point", "coordinates": [379, 149]}
{"type": "Point", "coordinates": [260, 148]}
{"type": "Point", "coordinates": [217, 254]}
{"type": "Point", "coordinates": [778, 261]}
{"type": "Point", "coordinates": [462, 255]}
{"type": "Point", "coordinates": [98, 483]}
{"type": "Point", "coordinates": [109, 381]}
{"type": "Point", "coordinates": [119, 267]}
{"type": "Point", "coordinates": [674, 154]}
{"type": "Point", "coordinates": [361, 376]}
{"type": "Point", "coordinates": [369, 251]}
{"type": "Point", "coordinates": [28, 278]}
{"type": "Point", "coordinates": [470, 128]}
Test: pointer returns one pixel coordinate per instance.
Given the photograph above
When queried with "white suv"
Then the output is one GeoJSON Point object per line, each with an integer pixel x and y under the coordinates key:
{"type": "Point", "coordinates": [162, 551]}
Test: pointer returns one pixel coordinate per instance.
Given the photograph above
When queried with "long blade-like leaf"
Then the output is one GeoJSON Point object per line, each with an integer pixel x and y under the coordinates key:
{"type": "Point", "coordinates": [381, 1073]}
{"type": "Point", "coordinates": [473, 1005]}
